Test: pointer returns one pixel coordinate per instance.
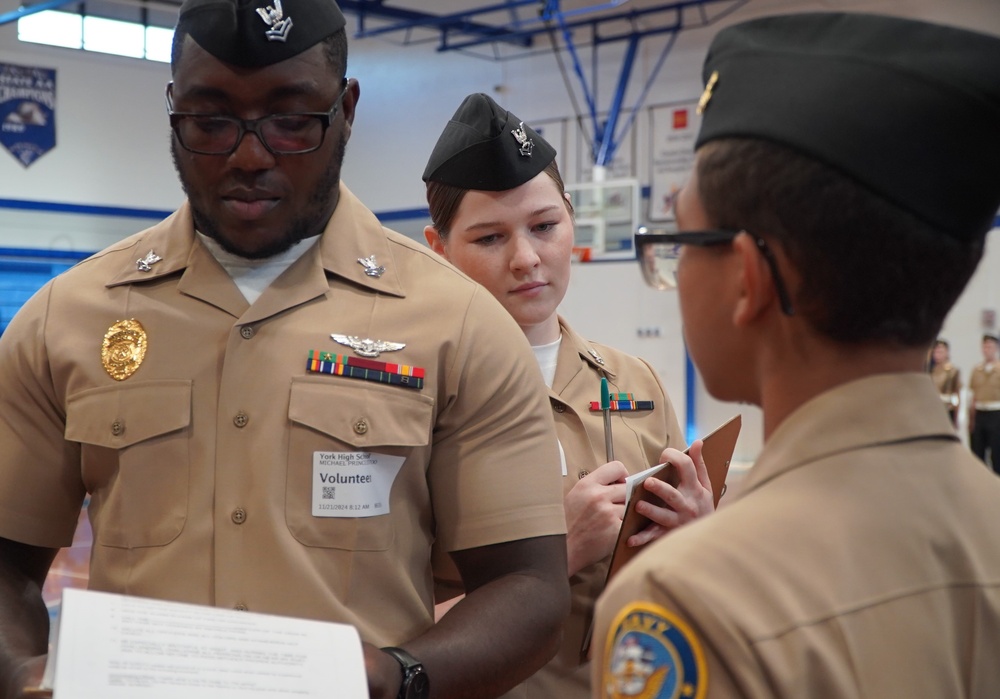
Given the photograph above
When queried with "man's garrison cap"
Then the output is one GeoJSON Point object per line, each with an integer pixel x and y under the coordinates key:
{"type": "Point", "coordinates": [256, 33]}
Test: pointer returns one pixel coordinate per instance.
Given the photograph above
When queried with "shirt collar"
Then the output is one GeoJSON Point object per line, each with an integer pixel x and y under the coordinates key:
{"type": "Point", "coordinates": [352, 233]}
{"type": "Point", "coordinates": [850, 417]}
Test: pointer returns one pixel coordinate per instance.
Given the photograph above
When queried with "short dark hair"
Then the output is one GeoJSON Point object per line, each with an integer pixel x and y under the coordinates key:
{"type": "Point", "coordinates": [443, 200]}
{"type": "Point", "coordinates": [335, 47]}
{"type": "Point", "coordinates": [868, 271]}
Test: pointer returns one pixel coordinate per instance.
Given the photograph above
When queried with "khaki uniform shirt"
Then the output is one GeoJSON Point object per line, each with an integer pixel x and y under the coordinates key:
{"type": "Point", "coordinates": [985, 383]}
{"type": "Point", "coordinates": [639, 438]}
{"type": "Point", "coordinates": [206, 466]}
{"type": "Point", "coordinates": [860, 560]}
{"type": "Point", "coordinates": [946, 380]}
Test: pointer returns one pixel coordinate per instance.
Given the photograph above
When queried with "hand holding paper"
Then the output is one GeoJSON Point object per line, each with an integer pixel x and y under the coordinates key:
{"type": "Point", "coordinates": [716, 451]}
{"type": "Point", "coordinates": [683, 502]}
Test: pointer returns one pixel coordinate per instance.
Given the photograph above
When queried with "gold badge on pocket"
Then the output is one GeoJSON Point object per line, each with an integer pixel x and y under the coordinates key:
{"type": "Point", "coordinates": [124, 349]}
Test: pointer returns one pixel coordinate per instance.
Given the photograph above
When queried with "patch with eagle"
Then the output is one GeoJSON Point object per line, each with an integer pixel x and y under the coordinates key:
{"type": "Point", "coordinates": [651, 654]}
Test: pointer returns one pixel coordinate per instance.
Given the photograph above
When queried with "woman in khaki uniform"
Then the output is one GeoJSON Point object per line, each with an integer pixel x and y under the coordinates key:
{"type": "Point", "coordinates": [946, 378]}
{"type": "Point", "coordinates": [500, 214]}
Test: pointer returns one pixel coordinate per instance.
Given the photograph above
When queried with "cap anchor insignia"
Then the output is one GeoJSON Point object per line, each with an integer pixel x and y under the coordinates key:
{"type": "Point", "coordinates": [275, 18]}
{"type": "Point", "coordinates": [706, 96]}
{"type": "Point", "coordinates": [527, 145]}
{"type": "Point", "coordinates": [231, 30]}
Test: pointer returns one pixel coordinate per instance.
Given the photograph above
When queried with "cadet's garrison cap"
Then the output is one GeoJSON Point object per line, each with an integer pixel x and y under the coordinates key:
{"type": "Point", "coordinates": [255, 33]}
{"type": "Point", "coordinates": [908, 109]}
{"type": "Point", "coordinates": [485, 147]}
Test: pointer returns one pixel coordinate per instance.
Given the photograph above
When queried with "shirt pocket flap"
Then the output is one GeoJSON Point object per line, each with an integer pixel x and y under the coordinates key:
{"type": "Point", "coordinates": [120, 416]}
{"type": "Point", "coordinates": [363, 416]}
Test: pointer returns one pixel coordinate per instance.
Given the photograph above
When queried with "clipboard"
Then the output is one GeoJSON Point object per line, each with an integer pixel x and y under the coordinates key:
{"type": "Point", "coordinates": [717, 451]}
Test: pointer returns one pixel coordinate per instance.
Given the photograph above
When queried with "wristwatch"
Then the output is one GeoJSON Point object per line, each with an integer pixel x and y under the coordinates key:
{"type": "Point", "coordinates": [416, 684]}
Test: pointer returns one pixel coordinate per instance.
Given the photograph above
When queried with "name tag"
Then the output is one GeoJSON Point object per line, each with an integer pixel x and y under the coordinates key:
{"type": "Point", "coordinates": [353, 483]}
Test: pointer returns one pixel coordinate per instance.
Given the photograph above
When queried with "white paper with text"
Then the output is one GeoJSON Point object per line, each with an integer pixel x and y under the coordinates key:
{"type": "Point", "coordinates": [121, 647]}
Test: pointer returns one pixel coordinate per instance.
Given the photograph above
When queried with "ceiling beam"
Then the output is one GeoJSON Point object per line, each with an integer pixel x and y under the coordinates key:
{"type": "Point", "coordinates": [21, 12]}
{"type": "Point", "coordinates": [460, 22]}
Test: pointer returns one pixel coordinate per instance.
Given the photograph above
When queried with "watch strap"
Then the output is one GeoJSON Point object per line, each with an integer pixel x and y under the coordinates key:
{"type": "Point", "coordinates": [413, 673]}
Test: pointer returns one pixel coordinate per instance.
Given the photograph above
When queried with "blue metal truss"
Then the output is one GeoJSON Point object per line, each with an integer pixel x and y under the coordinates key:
{"type": "Point", "coordinates": [604, 22]}
{"type": "Point", "coordinates": [524, 21]}
{"type": "Point", "coordinates": [26, 10]}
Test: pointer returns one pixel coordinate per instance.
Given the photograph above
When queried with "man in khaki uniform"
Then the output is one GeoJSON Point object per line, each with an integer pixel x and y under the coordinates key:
{"type": "Point", "coordinates": [946, 378]}
{"type": "Point", "coordinates": [261, 406]}
{"type": "Point", "coordinates": [838, 168]}
{"type": "Point", "coordinates": [984, 412]}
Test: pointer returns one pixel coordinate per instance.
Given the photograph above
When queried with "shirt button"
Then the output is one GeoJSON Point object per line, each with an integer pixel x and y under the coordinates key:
{"type": "Point", "coordinates": [557, 406]}
{"type": "Point", "coordinates": [246, 332]}
{"type": "Point", "coordinates": [239, 515]}
{"type": "Point", "coordinates": [241, 607]}
{"type": "Point", "coordinates": [361, 426]}
{"type": "Point", "coordinates": [241, 419]}
{"type": "Point", "coordinates": [117, 428]}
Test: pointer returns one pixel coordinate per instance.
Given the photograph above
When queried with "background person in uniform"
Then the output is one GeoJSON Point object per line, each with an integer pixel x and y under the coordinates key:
{"type": "Point", "coordinates": [946, 377]}
{"type": "Point", "coordinates": [860, 557]}
{"type": "Point", "coordinates": [189, 380]}
{"type": "Point", "coordinates": [984, 409]}
{"type": "Point", "coordinates": [501, 214]}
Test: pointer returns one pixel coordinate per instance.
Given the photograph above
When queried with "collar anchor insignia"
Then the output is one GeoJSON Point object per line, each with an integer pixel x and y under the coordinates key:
{"type": "Point", "coordinates": [521, 136]}
{"type": "Point", "coordinates": [367, 347]}
{"type": "Point", "coordinates": [146, 263]}
{"type": "Point", "coordinates": [274, 17]}
{"type": "Point", "coordinates": [372, 268]}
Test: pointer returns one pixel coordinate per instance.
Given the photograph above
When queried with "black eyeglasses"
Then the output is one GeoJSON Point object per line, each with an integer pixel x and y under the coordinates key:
{"type": "Point", "coordinates": [281, 134]}
{"type": "Point", "coordinates": [658, 252]}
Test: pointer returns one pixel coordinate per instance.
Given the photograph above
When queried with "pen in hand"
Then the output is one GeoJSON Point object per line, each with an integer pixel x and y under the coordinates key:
{"type": "Point", "coordinates": [606, 409]}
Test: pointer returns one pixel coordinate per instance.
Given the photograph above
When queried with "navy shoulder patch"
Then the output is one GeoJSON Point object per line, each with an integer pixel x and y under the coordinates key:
{"type": "Point", "coordinates": [651, 654]}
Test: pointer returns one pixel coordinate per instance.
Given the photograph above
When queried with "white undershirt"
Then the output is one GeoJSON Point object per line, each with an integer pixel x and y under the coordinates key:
{"type": "Point", "coordinates": [253, 276]}
{"type": "Point", "coordinates": [547, 357]}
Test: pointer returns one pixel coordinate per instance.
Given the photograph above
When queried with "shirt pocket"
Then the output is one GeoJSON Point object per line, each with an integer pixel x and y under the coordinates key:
{"type": "Point", "coordinates": [331, 417]}
{"type": "Point", "coordinates": [135, 445]}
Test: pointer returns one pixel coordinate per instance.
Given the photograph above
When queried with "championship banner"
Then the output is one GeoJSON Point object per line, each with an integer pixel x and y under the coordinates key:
{"type": "Point", "coordinates": [27, 111]}
{"type": "Point", "coordinates": [673, 130]}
